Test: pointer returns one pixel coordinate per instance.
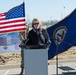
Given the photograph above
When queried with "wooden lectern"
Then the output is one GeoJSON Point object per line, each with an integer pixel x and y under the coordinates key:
{"type": "Point", "coordinates": [36, 60]}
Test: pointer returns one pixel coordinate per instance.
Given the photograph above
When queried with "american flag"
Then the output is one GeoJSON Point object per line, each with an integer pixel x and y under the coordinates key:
{"type": "Point", "coordinates": [13, 20]}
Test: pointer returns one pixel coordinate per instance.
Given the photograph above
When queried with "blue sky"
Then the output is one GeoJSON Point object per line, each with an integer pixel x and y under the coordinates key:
{"type": "Point", "coordinates": [42, 9]}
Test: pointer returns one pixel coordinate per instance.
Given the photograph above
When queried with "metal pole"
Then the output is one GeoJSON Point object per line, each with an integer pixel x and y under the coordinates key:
{"type": "Point", "coordinates": [57, 60]}
{"type": "Point", "coordinates": [64, 11]}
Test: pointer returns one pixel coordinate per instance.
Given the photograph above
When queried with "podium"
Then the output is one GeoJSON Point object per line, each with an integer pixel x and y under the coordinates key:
{"type": "Point", "coordinates": [36, 60]}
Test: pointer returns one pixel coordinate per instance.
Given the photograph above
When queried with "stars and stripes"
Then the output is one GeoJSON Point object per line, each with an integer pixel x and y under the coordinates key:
{"type": "Point", "coordinates": [13, 20]}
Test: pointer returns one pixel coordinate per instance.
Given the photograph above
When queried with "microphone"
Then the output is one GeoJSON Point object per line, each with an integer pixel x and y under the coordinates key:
{"type": "Point", "coordinates": [24, 43]}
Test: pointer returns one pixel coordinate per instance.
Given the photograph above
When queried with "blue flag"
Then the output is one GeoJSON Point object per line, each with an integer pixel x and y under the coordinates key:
{"type": "Point", "coordinates": [62, 35]}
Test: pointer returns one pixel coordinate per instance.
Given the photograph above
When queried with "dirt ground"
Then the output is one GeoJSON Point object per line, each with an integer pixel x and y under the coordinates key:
{"type": "Point", "coordinates": [15, 57]}
{"type": "Point", "coordinates": [10, 58]}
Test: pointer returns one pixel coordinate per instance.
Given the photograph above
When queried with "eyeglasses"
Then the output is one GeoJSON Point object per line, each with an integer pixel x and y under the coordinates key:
{"type": "Point", "coordinates": [35, 23]}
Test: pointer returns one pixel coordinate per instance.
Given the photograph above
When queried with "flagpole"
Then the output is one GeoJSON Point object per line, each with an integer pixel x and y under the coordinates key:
{"type": "Point", "coordinates": [25, 21]}
{"type": "Point", "coordinates": [56, 60]}
{"type": "Point", "coordinates": [23, 36]}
